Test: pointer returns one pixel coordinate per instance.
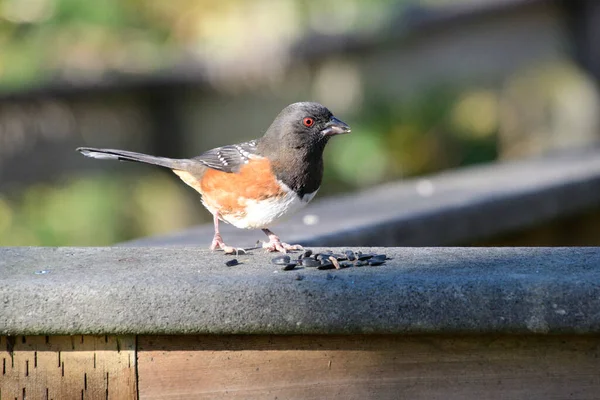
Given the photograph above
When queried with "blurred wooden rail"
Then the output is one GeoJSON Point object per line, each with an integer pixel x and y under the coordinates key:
{"type": "Point", "coordinates": [540, 201]}
{"type": "Point", "coordinates": [300, 367]}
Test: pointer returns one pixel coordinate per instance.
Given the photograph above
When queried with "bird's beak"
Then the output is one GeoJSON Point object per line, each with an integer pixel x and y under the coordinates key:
{"type": "Point", "coordinates": [335, 127]}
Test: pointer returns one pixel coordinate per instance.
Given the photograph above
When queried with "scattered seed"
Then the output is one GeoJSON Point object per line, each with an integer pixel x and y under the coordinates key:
{"type": "Point", "coordinates": [326, 265]}
{"type": "Point", "coordinates": [281, 260]}
{"type": "Point", "coordinates": [310, 262]}
{"type": "Point", "coordinates": [350, 255]}
{"type": "Point", "coordinates": [289, 267]}
{"type": "Point", "coordinates": [322, 257]}
{"type": "Point", "coordinates": [324, 261]}
{"type": "Point", "coordinates": [335, 262]}
{"type": "Point", "coordinates": [231, 263]}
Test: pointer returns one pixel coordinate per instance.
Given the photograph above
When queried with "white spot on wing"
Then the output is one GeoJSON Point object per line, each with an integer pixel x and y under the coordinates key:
{"type": "Point", "coordinates": [221, 158]}
{"type": "Point", "coordinates": [98, 155]}
{"type": "Point", "coordinates": [243, 153]}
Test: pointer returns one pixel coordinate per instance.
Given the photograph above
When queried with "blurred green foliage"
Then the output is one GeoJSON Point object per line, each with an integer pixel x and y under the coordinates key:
{"type": "Point", "coordinates": [82, 40]}
{"type": "Point", "coordinates": [98, 210]}
{"type": "Point", "coordinates": [429, 133]}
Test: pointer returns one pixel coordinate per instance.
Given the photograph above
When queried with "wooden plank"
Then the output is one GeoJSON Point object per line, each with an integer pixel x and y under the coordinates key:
{"type": "Point", "coordinates": [67, 367]}
{"type": "Point", "coordinates": [369, 367]}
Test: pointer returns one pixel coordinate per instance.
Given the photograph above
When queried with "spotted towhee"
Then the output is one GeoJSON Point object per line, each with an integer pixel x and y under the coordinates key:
{"type": "Point", "coordinates": [254, 184]}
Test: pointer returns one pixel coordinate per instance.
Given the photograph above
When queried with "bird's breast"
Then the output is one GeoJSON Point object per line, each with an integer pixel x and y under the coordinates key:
{"type": "Point", "coordinates": [263, 213]}
{"type": "Point", "coordinates": [251, 198]}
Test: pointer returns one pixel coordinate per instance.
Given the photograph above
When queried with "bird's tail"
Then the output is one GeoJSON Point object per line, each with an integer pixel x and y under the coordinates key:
{"type": "Point", "coordinates": [122, 155]}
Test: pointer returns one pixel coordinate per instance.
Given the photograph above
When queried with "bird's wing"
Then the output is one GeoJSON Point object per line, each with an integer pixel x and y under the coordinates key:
{"type": "Point", "coordinates": [228, 158]}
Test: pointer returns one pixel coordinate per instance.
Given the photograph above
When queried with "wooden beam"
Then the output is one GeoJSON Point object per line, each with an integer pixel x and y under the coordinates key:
{"type": "Point", "coordinates": [308, 367]}
{"type": "Point", "coordinates": [67, 367]}
{"type": "Point", "coordinates": [369, 367]}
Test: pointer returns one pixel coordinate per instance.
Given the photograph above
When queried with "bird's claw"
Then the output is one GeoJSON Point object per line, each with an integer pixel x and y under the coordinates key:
{"type": "Point", "coordinates": [276, 245]}
{"type": "Point", "coordinates": [233, 250]}
{"type": "Point", "coordinates": [218, 244]}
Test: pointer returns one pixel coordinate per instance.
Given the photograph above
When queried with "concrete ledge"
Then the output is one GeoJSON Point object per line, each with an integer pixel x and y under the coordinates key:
{"type": "Point", "coordinates": [452, 208]}
{"type": "Point", "coordinates": [185, 291]}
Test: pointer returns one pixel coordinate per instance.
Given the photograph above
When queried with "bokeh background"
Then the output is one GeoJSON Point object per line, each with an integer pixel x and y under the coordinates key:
{"type": "Point", "coordinates": [426, 86]}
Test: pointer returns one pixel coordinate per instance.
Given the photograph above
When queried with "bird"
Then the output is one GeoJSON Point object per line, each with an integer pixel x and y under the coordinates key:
{"type": "Point", "coordinates": [254, 184]}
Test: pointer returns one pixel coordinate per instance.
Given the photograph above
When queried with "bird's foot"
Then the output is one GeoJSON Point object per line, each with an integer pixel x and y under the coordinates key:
{"type": "Point", "coordinates": [219, 244]}
{"type": "Point", "coordinates": [274, 244]}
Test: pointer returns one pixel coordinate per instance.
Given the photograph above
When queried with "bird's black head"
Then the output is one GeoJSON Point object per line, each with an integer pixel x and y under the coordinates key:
{"type": "Point", "coordinates": [304, 127]}
{"type": "Point", "coordinates": [294, 144]}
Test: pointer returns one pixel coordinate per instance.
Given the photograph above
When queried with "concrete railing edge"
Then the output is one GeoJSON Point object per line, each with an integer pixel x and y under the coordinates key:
{"type": "Point", "coordinates": [68, 291]}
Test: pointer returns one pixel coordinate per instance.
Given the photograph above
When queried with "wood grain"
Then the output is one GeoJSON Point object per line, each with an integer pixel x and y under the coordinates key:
{"type": "Point", "coordinates": [369, 367]}
{"type": "Point", "coordinates": [67, 367]}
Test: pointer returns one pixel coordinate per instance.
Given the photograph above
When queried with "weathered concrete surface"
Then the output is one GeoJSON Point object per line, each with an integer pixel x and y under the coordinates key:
{"type": "Point", "coordinates": [184, 290]}
{"type": "Point", "coordinates": [457, 207]}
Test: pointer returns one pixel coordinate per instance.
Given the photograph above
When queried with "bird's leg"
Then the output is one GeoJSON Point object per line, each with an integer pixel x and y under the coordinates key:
{"type": "Point", "coordinates": [218, 243]}
{"type": "Point", "coordinates": [274, 244]}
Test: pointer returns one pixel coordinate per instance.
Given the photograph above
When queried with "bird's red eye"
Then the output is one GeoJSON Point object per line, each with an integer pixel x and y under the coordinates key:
{"type": "Point", "coordinates": [308, 122]}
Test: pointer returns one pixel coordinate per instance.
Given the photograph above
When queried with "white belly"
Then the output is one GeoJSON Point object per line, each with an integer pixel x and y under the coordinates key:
{"type": "Point", "coordinates": [264, 213]}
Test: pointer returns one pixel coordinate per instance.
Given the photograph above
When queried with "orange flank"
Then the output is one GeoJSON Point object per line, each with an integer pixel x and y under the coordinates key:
{"type": "Point", "coordinates": [228, 192]}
